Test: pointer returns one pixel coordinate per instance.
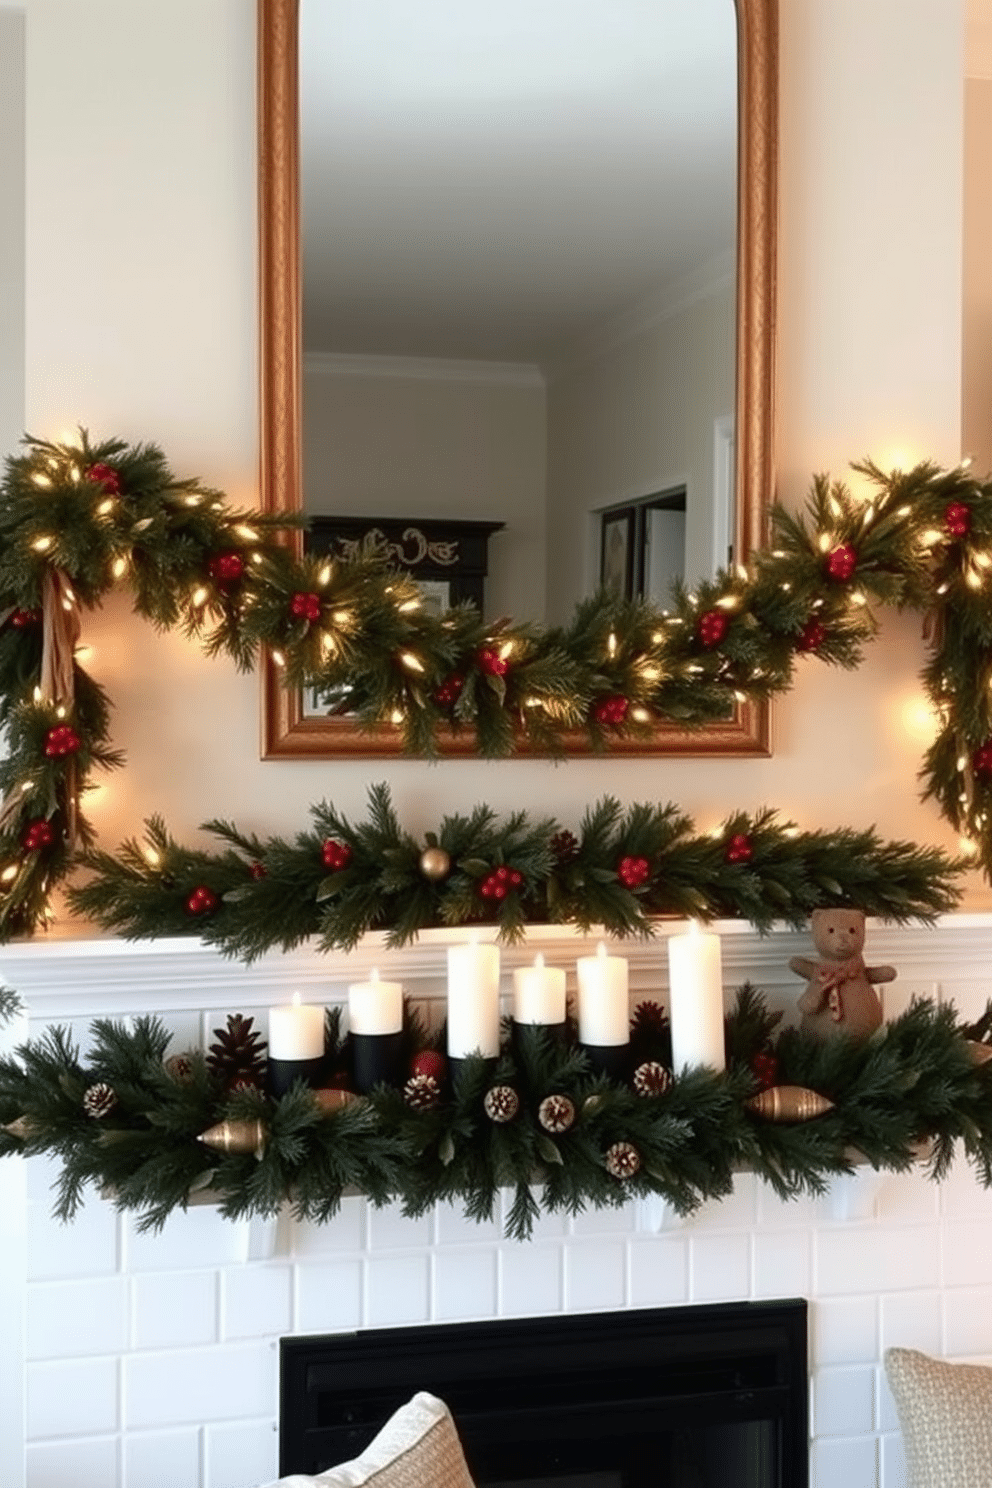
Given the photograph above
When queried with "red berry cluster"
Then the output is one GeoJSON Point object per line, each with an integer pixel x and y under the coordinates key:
{"type": "Point", "coordinates": [611, 710]}
{"type": "Point", "coordinates": [492, 663]}
{"type": "Point", "coordinates": [257, 870]}
{"type": "Point", "coordinates": [447, 693]}
{"type": "Point", "coordinates": [335, 855]}
{"type": "Point", "coordinates": [38, 834]}
{"type": "Point", "coordinates": [764, 1068]}
{"type": "Point", "coordinates": [61, 740]}
{"type": "Point", "coordinates": [957, 519]}
{"type": "Point", "coordinates": [202, 901]}
{"type": "Point", "coordinates": [226, 568]}
{"type": "Point", "coordinates": [498, 883]}
{"type": "Point", "coordinates": [632, 872]}
{"type": "Point", "coordinates": [981, 760]}
{"type": "Point", "coordinates": [305, 606]}
{"type": "Point", "coordinates": [21, 619]}
{"type": "Point", "coordinates": [106, 477]}
{"type": "Point", "coordinates": [842, 562]}
{"type": "Point", "coordinates": [812, 636]}
{"type": "Point", "coordinates": [739, 849]}
{"type": "Point", "coordinates": [712, 628]}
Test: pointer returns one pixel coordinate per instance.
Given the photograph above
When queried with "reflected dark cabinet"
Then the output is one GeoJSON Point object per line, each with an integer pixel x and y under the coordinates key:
{"type": "Point", "coordinates": [448, 558]}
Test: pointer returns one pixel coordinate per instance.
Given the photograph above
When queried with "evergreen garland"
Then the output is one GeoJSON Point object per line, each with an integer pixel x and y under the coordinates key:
{"type": "Point", "coordinates": [627, 867]}
{"type": "Point", "coordinates": [78, 517]}
{"type": "Point", "coordinates": [913, 1082]}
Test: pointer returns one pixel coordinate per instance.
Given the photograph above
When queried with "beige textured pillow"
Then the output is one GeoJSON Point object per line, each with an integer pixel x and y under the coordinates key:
{"type": "Point", "coordinates": [417, 1448]}
{"type": "Point", "coordinates": [945, 1412]}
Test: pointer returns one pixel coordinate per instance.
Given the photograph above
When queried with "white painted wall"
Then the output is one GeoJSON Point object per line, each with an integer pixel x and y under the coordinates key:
{"type": "Point", "coordinates": [976, 407]}
{"type": "Point", "coordinates": [405, 443]}
{"type": "Point", "coordinates": [629, 422]}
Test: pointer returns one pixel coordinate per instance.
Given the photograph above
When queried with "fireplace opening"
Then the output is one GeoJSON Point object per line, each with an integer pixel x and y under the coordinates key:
{"type": "Point", "coordinates": [713, 1396]}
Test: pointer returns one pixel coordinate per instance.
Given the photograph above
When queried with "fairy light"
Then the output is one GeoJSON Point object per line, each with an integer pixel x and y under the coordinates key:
{"type": "Point", "coordinates": [192, 500]}
{"type": "Point", "coordinates": [778, 552]}
{"type": "Point", "coordinates": [37, 694]}
{"type": "Point", "coordinates": [962, 762]}
{"type": "Point", "coordinates": [742, 572]}
{"type": "Point", "coordinates": [786, 587]}
{"type": "Point", "coordinates": [328, 644]}
{"type": "Point", "coordinates": [943, 588]}
{"type": "Point", "coordinates": [248, 533]}
{"type": "Point", "coordinates": [10, 872]}
{"type": "Point", "coordinates": [903, 511]}
{"type": "Point", "coordinates": [973, 579]}
{"type": "Point", "coordinates": [60, 711]}
{"type": "Point", "coordinates": [968, 847]}
{"type": "Point", "coordinates": [105, 507]}
{"type": "Point", "coordinates": [42, 480]}
{"type": "Point", "coordinates": [74, 474]}
{"type": "Point", "coordinates": [825, 542]}
{"type": "Point", "coordinates": [42, 544]}
{"type": "Point", "coordinates": [611, 644]}
{"type": "Point", "coordinates": [728, 602]}
{"type": "Point", "coordinates": [640, 715]}
{"type": "Point", "coordinates": [256, 558]}
{"type": "Point", "coordinates": [505, 650]}
{"type": "Point", "coordinates": [151, 856]}
{"type": "Point", "coordinates": [199, 597]}
{"type": "Point", "coordinates": [119, 567]}
{"type": "Point", "coordinates": [342, 617]}
{"type": "Point", "coordinates": [982, 559]}
{"type": "Point", "coordinates": [930, 537]}
{"type": "Point", "coordinates": [411, 662]}
{"type": "Point", "coordinates": [836, 510]}
{"type": "Point", "coordinates": [650, 673]}
{"type": "Point", "coordinates": [278, 658]}
{"type": "Point", "coordinates": [791, 832]}
{"type": "Point", "coordinates": [324, 577]}
{"type": "Point", "coordinates": [408, 605]}
{"type": "Point", "coordinates": [859, 599]}
{"type": "Point", "coordinates": [397, 716]}
{"type": "Point", "coordinates": [741, 696]}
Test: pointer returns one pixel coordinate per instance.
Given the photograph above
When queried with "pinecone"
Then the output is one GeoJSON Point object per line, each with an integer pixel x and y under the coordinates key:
{"type": "Point", "coordinates": [99, 1100]}
{"type": "Point", "coordinates": [180, 1067]}
{"type": "Point", "coordinates": [501, 1104]}
{"type": "Point", "coordinates": [238, 1056]}
{"type": "Point", "coordinates": [622, 1160]}
{"type": "Point", "coordinates": [556, 1113]}
{"type": "Point", "coordinates": [564, 846]}
{"type": "Point", "coordinates": [421, 1092]}
{"type": "Point", "coordinates": [649, 1018]}
{"type": "Point", "coordinates": [652, 1078]}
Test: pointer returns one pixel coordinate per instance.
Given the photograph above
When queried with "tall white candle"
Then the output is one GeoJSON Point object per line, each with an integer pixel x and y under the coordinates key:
{"type": "Point", "coordinates": [695, 973]}
{"type": "Point", "coordinates": [473, 1000]}
{"type": "Point", "coordinates": [604, 1011]}
{"type": "Point", "coordinates": [539, 993]}
{"type": "Point", "coordinates": [375, 1006]}
{"type": "Point", "coordinates": [297, 1031]}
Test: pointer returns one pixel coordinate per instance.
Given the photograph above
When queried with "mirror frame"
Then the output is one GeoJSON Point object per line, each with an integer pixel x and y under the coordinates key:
{"type": "Point", "coordinates": [286, 732]}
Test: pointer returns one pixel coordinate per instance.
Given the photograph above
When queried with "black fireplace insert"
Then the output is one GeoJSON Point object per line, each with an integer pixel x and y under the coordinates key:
{"type": "Point", "coordinates": [711, 1396]}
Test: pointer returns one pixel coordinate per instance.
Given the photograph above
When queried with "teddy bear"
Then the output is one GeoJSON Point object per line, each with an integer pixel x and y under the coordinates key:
{"type": "Point", "coordinates": [839, 996]}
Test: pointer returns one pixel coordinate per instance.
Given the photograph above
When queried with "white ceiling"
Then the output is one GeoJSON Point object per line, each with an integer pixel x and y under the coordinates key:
{"type": "Point", "coordinates": [494, 181]}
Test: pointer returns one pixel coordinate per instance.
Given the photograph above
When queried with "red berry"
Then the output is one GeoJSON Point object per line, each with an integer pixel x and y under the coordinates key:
{"type": "Point", "coordinates": [257, 870]}
{"type": "Point", "coordinates": [61, 740]}
{"type": "Point", "coordinates": [305, 606]}
{"type": "Point", "coordinates": [202, 901]}
{"type": "Point", "coordinates": [981, 760]}
{"type": "Point", "coordinates": [447, 693]}
{"type": "Point", "coordinates": [492, 663]}
{"type": "Point", "coordinates": [712, 628]}
{"type": "Point", "coordinates": [812, 636]}
{"type": "Point", "coordinates": [633, 871]}
{"type": "Point", "coordinates": [957, 519]}
{"type": "Point", "coordinates": [21, 619]}
{"type": "Point", "coordinates": [516, 877]}
{"type": "Point", "coordinates": [226, 568]}
{"type": "Point", "coordinates": [842, 562]}
{"type": "Point", "coordinates": [38, 834]}
{"type": "Point", "coordinates": [764, 1067]}
{"type": "Point", "coordinates": [429, 1062]}
{"type": "Point", "coordinates": [335, 855]}
{"type": "Point", "coordinates": [106, 477]}
{"type": "Point", "coordinates": [739, 849]}
{"type": "Point", "coordinates": [611, 710]}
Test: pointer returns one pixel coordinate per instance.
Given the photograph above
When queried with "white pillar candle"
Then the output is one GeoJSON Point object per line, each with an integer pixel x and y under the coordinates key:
{"type": "Point", "coordinates": [695, 974]}
{"type": "Point", "coordinates": [375, 1006]}
{"type": "Point", "coordinates": [297, 1031]}
{"type": "Point", "coordinates": [604, 1011]}
{"type": "Point", "coordinates": [539, 993]}
{"type": "Point", "coordinates": [473, 1000]}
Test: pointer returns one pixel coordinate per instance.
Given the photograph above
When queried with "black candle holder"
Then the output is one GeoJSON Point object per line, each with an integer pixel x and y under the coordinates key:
{"type": "Point", "coordinates": [376, 1059]}
{"type": "Point", "coordinates": [280, 1074]}
{"type": "Point", "coordinates": [527, 1035]}
{"type": "Point", "coordinates": [608, 1059]}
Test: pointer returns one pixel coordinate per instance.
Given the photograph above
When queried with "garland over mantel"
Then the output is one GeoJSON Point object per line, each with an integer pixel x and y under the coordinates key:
{"type": "Point", "coordinates": [153, 1132]}
{"type": "Point", "coordinates": [77, 518]}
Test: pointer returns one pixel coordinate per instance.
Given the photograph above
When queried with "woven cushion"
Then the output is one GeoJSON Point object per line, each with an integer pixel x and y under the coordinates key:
{"type": "Point", "coordinates": [945, 1412]}
{"type": "Point", "coordinates": [417, 1448]}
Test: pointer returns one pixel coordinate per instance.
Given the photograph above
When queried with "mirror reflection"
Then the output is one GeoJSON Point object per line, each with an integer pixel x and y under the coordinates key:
{"type": "Point", "coordinates": [518, 292]}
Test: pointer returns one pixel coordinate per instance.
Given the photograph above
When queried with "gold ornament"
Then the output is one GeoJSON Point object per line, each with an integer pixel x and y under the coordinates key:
{"type": "Point", "coordinates": [435, 863]}
{"type": "Point", "coordinates": [236, 1136]}
{"type": "Point", "coordinates": [978, 1053]}
{"type": "Point", "coordinates": [332, 1099]}
{"type": "Point", "coordinates": [789, 1103]}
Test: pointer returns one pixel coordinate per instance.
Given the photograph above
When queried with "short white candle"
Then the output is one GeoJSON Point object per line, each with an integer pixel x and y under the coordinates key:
{"type": "Point", "coordinates": [695, 973]}
{"type": "Point", "coordinates": [297, 1031]}
{"type": "Point", "coordinates": [473, 1000]}
{"type": "Point", "coordinates": [539, 993]}
{"type": "Point", "coordinates": [604, 1011]}
{"type": "Point", "coordinates": [375, 1007]}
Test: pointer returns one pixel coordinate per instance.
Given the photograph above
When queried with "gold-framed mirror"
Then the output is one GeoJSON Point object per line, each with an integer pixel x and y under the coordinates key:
{"type": "Point", "coordinates": [289, 730]}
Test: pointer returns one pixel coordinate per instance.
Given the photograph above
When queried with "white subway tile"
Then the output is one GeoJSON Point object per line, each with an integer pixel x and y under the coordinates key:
{"type": "Point", "coordinates": [844, 1401]}
{"type": "Point", "coordinates": [345, 1232]}
{"type": "Point", "coordinates": [783, 1263]}
{"type": "Point", "coordinates": [968, 1322]}
{"type": "Point", "coordinates": [659, 1271]}
{"type": "Point", "coordinates": [77, 1464]}
{"type": "Point", "coordinates": [329, 1297]}
{"type": "Point", "coordinates": [241, 1455]}
{"type": "Point", "coordinates": [42, 1174]}
{"type": "Point", "coordinates": [622, 1221]}
{"type": "Point", "coordinates": [455, 1228]}
{"type": "Point", "coordinates": [912, 1320]}
{"type": "Point", "coordinates": [531, 1279]}
{"type": "Point", "coordinates": [464, 1284]}
{"type": "Point", "coordinates": [737, 1211]}
{"type": "Point", "coordinates": [188, 1241]}
{"type": "Point", "coordinates": [67, 1319]}
{"type": "Point", "coordinates": [191, 1386]}
{"type": "Point", "coordinates": [844, 1330]}
{"type": "Point", "coordinates": [256, 1301]}
{"type": "Point", "coordinates": [595, 1275]}
{"type": "Point", "coordinates": [778, 1213]}
{"type": "Point", "coordinates": [835, 1463]}
{"type": "Point", "coordinates": [966, 1261]}
{"type": "Point", "coordinates": [174, 1309]}
{"type": "Point", "coordinates": [162, 1459]}
{"type": "Point", "coordinates": [908, 1198]}
{"type": "Point", "coordinates": [874, 1258]}
{"type": "Point", "coordinates": [888, 1416]}
{"type": "Point", "coordinates": [962, 1196]}
{"type": "Point", "coordinates": [390, 1229]}
{"type": "Point", "coordinates": [720, 1267]}
{"type": "Point", "coordinates": [893, 1461]}
{"type": "Point", "coordinates": [87, 1246]}
{"type": "Point", "coordinates": [75, 1398]}
{"type": "Point", "coordinates": [397, 1290]}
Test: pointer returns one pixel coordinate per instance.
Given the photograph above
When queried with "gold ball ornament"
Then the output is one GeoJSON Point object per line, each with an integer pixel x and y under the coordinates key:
{"type": "Point", "coordinates": [435, 863]}
{"type": "Point", "coordinates": [235, 1137]}
{"type": "Point", "coordinates": [789, 1103]}
{"type": "Point", "coordinates": [331, 1099]}
{"type": "Point", "coordinates": [978, 1053]}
